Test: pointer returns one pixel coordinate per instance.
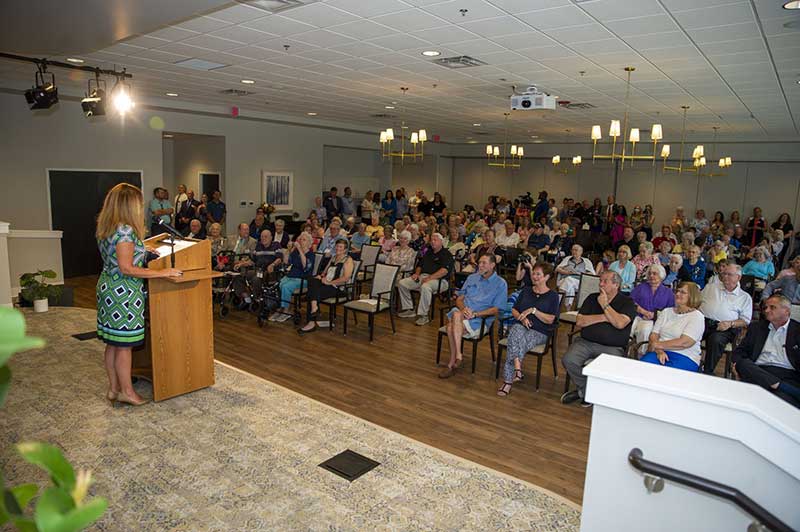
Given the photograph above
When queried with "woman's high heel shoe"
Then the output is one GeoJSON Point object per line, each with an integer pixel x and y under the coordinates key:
{"type": "Point", "coordinates": [122, 398]}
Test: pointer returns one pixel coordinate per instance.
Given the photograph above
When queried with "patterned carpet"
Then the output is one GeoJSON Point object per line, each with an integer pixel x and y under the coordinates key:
{"type": "Point", "coordinates": [243, 455]}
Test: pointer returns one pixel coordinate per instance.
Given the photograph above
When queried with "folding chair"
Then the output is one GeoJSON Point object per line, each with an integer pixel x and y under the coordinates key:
{"type": "Point", "coordinates": [380, 297]}
{"type": "Point", "coordinates": [342, 296]}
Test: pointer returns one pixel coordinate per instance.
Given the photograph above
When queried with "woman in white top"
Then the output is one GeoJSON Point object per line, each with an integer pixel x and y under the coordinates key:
{"type": "Point", "coordinates": [367, 207]}
{"type": "Point", "coordinates": [569, 273]}
{"type": "Point", "coordinates": [675, 340]}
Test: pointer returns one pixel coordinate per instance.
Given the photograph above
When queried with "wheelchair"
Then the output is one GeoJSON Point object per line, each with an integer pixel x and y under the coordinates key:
{"type": "Point", "coordinates": [222, 290]}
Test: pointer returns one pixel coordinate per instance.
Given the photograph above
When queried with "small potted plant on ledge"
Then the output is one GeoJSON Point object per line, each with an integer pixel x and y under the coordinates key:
{"type": "Point", "coordinates": [37, 291]}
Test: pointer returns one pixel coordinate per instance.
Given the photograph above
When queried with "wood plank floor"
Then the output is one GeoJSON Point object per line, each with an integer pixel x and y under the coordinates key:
{"type": "Point", "coordinates": [393, 382]}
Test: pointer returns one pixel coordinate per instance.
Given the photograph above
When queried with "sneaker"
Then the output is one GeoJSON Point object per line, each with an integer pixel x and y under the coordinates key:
{"type": "Point", "coordinates": [274, 316]}
{"type": "Point", "coordinates": [423, 320]}
{"type": "Point", "coordinates": [570, 397]}
{"type": "Point", "coordinates": [407, 314]}
{"type": "Point", "coordinates": [283, 317]}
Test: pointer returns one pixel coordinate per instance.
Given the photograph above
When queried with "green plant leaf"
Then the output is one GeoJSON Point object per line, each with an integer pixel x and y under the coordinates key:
{"type": "Point", "coordinates": [48, 274]}
{"type": "Point", "coordinates": [5, 382]}
{"type": "Point", "coordinates": [49, 458]}
{"type": "Point", "coordinates": [24, 493]}
{"type": "Point", "coordinates": [24, 524]}
{"type": "Point", "coordinates": [81, 517]}
{"type": "Point", "coordinates": [51, 507]}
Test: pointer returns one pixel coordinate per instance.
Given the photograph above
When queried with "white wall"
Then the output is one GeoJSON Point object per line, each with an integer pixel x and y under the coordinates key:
{"type": "Point", "coordinates": [192, 154]}
{"type": "Point", "coordinates": [360, 169]}
{"type": "Point", "coordinates": [64, 138]}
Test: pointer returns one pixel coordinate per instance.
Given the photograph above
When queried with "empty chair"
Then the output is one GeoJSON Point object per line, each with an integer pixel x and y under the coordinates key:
{"type": "Point", "coordinates": [380, 297]}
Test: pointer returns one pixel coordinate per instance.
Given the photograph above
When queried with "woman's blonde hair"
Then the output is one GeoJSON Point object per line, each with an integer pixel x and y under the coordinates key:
{"type": "Point", "coordinates": [123, 206]}
{"type": "Point", "coordinates": [695, 296]}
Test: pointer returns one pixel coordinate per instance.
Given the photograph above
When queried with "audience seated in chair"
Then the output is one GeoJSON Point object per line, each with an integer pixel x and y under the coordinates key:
{"type": "Point", "coordinates": [402, 255]}
{"type": "Point", "coordinates": [535, 311]}
{"type": "Point", "coordinates": [301, 262]}
{"type": "Point", "coordinates": [266, 257]}
{"type": "Point", "coordinates": [429, 278]}
{"type": "Point", "coordinates": [241, 244]}
{"type": "Point", "coordinates": [650, 297]}
{"type": "Point", "coordinates": [337, 274]}
{"type": "Point", "coordinates": [769, 355]}
{"type": "Point", "coordinates": [489, 245]}
{"type": "Point", "coordinates": [605, 321]}
{"type": "Point", "coordinates": [675, 339]}
{"type": "Point", "coordinates": [625, 268]}
{"type": "Point", "coordinates": [195, 230]}
{"type": "Point", "coordinates": [787, 284]}
{"type": "Point", "coordinates": [726, 308]}
{"type": "Point", "coordinates": [759, 266]}
{"type": "Point", "coordinates": [695, 266]}
{"type": "Point", "coordinates": [484, 293]}
{"type": "Point", "coordinates": [359, 238]}
{"type": "Point", "coordinates": [569, 273]}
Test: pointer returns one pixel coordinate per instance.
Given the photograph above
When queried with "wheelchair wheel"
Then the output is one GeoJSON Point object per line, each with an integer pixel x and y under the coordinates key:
{"type": "Point", "coordinates": [296, 319]}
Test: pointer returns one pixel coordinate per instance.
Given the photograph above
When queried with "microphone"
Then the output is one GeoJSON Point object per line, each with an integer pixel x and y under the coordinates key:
{"type": "Point", "coordinates": [171, 230]}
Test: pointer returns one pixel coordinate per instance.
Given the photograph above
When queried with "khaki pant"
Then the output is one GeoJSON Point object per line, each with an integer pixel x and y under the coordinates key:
{"type": "Point", "coordinates": [426, 291]}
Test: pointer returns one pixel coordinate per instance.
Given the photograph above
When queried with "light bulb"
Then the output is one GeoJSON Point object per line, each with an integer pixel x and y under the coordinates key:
{"type": "Point", "coordinates": [122, 100]}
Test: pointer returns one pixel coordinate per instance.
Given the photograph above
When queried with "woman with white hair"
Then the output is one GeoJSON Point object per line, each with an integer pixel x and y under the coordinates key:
{"type": "Point", "coordinates": [643, 260]}
{"type": "Point", "coordinates": [759, 266]}
{"type": "Point", "coordinates": [569, 273]}
{"type": "Point", "coordinates": [675, 271]}
{"type": "Point", "coordinates": [650, 297]}
{"type": "Point", "coordinates": [403, 255]}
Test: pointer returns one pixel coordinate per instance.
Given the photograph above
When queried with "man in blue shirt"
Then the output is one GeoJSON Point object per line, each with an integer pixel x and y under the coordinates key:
{"type": "Point", "coordinates": [329, 241]}
{"type": "Point", "coordinates": [538, 240]}
{"type": "Point", "coordinates": [216, 209]}
{"type": "Point", "coordinates": [787, 285]}
{"type": "Point", "coordinates": [348, 207]}
{"type": "Point", "coordinates": [160, 209]}
{"type": "Point", "coordinates": [483, 294]}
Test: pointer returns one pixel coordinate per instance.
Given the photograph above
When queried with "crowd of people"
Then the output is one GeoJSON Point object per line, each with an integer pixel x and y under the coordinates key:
{"type": "Point", "coordinates": [674, 290]}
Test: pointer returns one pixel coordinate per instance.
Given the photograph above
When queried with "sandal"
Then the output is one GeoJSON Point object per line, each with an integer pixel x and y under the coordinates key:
{"type": "Point", "coordinates": [518, 375]}
{"type": "Point", "coordinates": [504, 390]}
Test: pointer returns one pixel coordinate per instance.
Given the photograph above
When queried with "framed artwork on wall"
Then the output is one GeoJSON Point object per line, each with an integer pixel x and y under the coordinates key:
{"type": "Point", "coordinates": [277, 189]}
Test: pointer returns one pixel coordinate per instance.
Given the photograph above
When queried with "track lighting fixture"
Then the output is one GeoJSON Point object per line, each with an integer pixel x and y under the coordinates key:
{"type": "Point", "coordinates": [44, 94]}
{"type": "Point", "coordinates": [94, 103]}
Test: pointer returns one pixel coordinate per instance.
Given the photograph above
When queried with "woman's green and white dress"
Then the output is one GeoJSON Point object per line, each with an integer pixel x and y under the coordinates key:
{"type": "Point", "coordinates": [120, 298]}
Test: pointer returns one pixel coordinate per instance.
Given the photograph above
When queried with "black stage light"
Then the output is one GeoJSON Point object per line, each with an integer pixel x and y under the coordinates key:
{"type": "Point", "coordinates": [44, 94]}
{"type": "Point", "coordinates": [94, 103]}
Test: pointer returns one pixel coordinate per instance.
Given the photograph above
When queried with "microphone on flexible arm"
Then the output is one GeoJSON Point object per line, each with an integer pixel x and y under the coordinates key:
{"type": "Point", "coordinates": [172, 234]}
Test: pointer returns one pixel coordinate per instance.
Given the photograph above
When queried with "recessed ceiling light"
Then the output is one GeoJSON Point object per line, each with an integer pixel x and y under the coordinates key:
{"type": "Point", "coordinates": [476, 125]}
{"type": "Point", "coordinates": [172, 94]}
{"type": "Point", "coordinates": [389, 107]}
{"type": "Point", "coordinates": [167, 136]}
{"type": "Point", "coordinates": [248, 81]}
{"type": "Point", "coordinates": [74, 60]}
{"type": "Point", "coordinates": [794, 4]}
{"type": "Point", "coordinates": [537, 141]}
{"type": "Point", "coordinates": [311, 114]}
{"type": "Point", "coordinates": [434, 53]}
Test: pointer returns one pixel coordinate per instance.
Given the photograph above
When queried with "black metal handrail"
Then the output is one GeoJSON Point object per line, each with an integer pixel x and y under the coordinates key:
{"type": "Point", "coordinates": [759, 513]}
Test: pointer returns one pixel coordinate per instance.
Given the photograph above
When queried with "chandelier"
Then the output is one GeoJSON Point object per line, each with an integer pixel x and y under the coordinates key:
{"type": "Point", "coordinates": [577, 161]}
{"type": "Point", "coordinates": [699, 160]}
{"type": "Point", "coordinates": [513, 160]}
{"type": "Point", "coordinates": [633, 135]}
{"type": "Point", "coordinates": [417, 141]}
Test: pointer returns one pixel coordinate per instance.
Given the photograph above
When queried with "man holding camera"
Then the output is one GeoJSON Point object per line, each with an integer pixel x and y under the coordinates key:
{"type": "Point", "coordinates": [727, 309]}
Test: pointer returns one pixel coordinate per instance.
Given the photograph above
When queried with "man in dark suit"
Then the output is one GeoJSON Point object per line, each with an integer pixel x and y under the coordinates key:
{"type": "Point", "coordinates": [769, 355]}
{"type": "Point", "coordinates": [333, 204]}
{"type": "Point", "coordinates": [187, 212]}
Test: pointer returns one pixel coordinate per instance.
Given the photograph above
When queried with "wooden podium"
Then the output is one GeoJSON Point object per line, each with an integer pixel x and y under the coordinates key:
{"type": "Point", "coordinates": [178, 354]}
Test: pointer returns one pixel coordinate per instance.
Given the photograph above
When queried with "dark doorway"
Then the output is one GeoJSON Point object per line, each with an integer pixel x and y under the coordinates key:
{"type": "Point", "coordinates": [76, 197]}
{"type": "Point", "coordinates": [209, 182]}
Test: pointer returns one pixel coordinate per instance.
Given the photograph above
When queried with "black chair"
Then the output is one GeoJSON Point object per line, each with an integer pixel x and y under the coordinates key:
{"type": "Point", "coordinates": [485, 330]}
{"type": "Point", "coordinates": [380, 299]}
{"type": "Point", "coordinates": [538, 351]}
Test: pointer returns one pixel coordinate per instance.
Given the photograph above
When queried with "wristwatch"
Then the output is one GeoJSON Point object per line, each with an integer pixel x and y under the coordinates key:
{"type": "Point", "coordinates": [533, 312]}
{"type": "Point", "coordinates": [606, 306]}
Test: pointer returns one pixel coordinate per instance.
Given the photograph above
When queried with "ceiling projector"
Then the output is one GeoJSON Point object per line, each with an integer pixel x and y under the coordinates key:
{"type": "Point", "coordinates": [532, 100]}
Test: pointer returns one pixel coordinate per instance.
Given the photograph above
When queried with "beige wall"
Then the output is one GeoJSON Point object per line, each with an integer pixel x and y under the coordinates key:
{"type": "Point", "coordinates": [29, 251]}
{"type": "Point", "coordinates": [192, 154]}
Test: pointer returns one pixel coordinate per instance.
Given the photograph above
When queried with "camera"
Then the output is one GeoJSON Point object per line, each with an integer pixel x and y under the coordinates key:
{"type": "Point", "coordinates": [525, 259]}
{"type": "Point", "coordinates": [526, 199]}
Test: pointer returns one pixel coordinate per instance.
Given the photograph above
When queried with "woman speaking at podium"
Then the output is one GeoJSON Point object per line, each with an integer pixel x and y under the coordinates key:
{"type": "Point", "coordinates": [120, 299]}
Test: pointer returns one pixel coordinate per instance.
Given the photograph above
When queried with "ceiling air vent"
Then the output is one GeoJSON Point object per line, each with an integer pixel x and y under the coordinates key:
{"type": "Point", "coordinates": [461, 61]}
{"type": "Point", "coordinates": [236, 92]}
{"type": "Point", "coordinates": [578, 105]}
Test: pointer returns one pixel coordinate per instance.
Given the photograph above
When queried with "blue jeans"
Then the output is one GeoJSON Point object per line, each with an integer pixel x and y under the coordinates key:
{"type": "Point", "coordinates": [287, 286]}
{"type": "Point", "coordinates": [676, 360]}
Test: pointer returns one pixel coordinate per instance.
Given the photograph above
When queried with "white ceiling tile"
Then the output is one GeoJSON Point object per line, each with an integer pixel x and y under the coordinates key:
{"type": "Point", "coordinates": [172, 33]}
{"type": "Point", "coordinates": [294, 61]}
{"type": "Point", "coordinates": [522, 6]}
{"type": "Point", "coordinates": [783, 41]}
{"type": "Point", "coordinates": [328, 69]}
{"type": "Point", "coordinates": [558, 17]}
{"type": "Point", "coordinates": [278, 25]}
{"type": "Point", "coordinates": [573, 34]}
{"type": "Point", "coordinates": [398, 42]}
{"type": "Point", "coordinates": [238, 13]}
{"type": "Point", "coordinates": [603, 46]}
{"type": "Point", "coordinates": [145, 41]}
{"type": "Point", "coordinates": [255, 52]}
{"type": "Point", "coordinates": [475, 47]}
{"type": "Point", "coordinates": [501, 58]}
{"type": "Point", "coordinates": [606, 10]}
{"type": "Point", "coordinates": [323, 38]}
{"type": "Point", "coordinates": [496, 27]}
{"type": "Point", "coordinates": [279, 45]}
{"type": "Point", "coordinates": [642, 25]}
{"type": "Point", "coordinates": [739, 59]}
{"type": "Point", "coordinates": [708, 17]}
{"type": "Point", "coordinates": [546, 52]}
{"type": "Point", "coordinates": [527, 39]}
{"type": "Point", "coordinates": [769, 9]}
{"type": "Point", "coordinates": [776, 27]}
{"type": "Point", "coordinates": [211, 42]}
{"type": "Point", "coordinates": [657, 40]}
{"type": "Point", "coordinates": [203, 24]}
{"type": "Point", "coordinates": [444, 35]}
{"type": "Point", "coordinates": [357, 63]}
{"type": "Point", "coordinates": [159, 55]}
{"type": "Point", "coordinates": [409, 20]}
{"type": "Point", "coordinates": [360, 49]}
{"type": "Point", "coordinates": [362, 29]}
{"type": "Point", "coordinates": [321, 54]}
{"type": "Point", "coordinates": [372, 8]}
{"type": "Point", "coordinates": [242, 35]}
{"type": "Point", "coordinates": [123, 49]}
{"type": "Point", "coordinates": [747, 30]}
{"type": "Point", "coordinates": [320, 15]}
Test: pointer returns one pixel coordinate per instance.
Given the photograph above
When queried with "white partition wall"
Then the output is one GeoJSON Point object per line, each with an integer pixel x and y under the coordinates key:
{"type": "Point", "coordinates": [725, 431]}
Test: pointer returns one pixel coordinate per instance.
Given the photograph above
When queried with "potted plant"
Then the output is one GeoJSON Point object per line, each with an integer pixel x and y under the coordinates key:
{"type": "Point", "coordinates": [35, 289]}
